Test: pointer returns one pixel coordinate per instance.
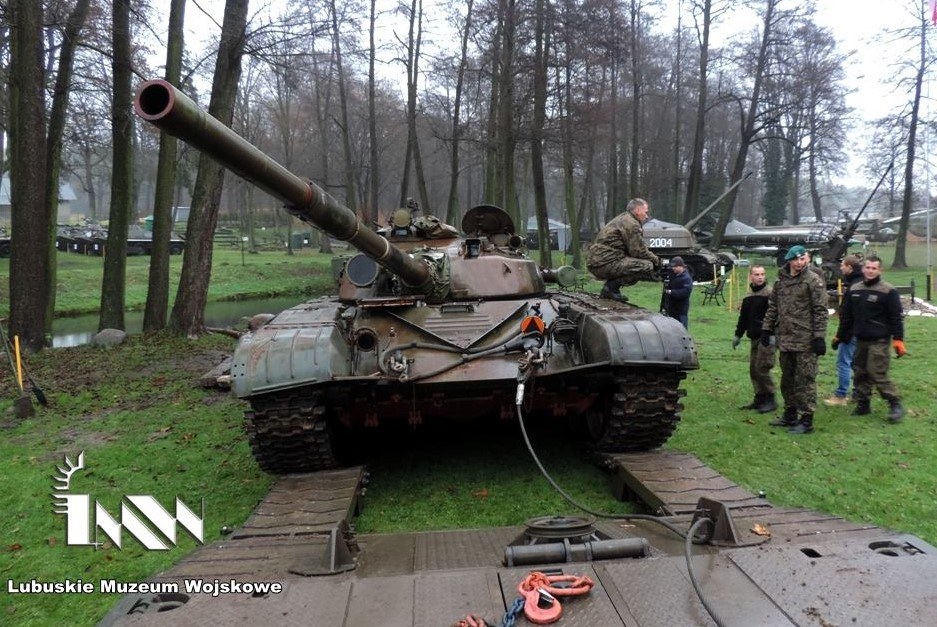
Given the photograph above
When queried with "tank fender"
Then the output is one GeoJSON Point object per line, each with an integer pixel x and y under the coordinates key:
{"type": "Point", "coordinates": [634, 339]}
{"type": "Point", "coordinates": [272, 358]}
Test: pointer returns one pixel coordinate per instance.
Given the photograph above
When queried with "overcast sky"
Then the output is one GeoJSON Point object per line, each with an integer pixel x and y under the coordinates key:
{"type": "Point", "coordinates": [861, 26]}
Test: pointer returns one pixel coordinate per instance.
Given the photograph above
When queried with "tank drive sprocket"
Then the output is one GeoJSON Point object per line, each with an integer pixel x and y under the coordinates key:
{"type": "Point", "coordinates": [289, 433]}
{"type": "Point", "coordinates": [640, 414]}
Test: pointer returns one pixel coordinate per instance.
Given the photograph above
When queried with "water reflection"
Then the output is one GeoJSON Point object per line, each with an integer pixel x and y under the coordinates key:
{"type": "Point", "coordinates": [77, 330]}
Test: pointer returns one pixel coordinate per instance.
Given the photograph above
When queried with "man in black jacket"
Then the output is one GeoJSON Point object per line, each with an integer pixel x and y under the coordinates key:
{"type": "Point", "coordinates": [872, 314]}
{"type": "Point", "coordinates": [760, 358]}
{"type": "Point", "coordinates": [851, 269]}
{"type": "Point", "coordinates": [678, 292]}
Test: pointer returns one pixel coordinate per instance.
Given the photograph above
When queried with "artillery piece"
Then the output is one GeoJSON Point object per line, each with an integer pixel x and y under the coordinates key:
{"type": "Point", "coordinates": [428, 323]}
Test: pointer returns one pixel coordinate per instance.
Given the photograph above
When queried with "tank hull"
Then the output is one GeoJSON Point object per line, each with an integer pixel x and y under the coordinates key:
{"type": "Point", "coordinates": [313, 376]}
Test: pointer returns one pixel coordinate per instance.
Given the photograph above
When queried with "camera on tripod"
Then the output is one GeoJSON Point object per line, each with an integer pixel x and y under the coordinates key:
{"type": "Point", "coordinates": [665, 273]}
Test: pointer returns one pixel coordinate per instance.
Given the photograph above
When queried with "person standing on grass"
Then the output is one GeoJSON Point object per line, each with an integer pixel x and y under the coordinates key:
{"type": "Point", "coordinates": [678, 292]}
{"type": "Point", "coordinates": [872, 315]}
{"type": "Point", "coordinates": [851, 269]}
{"type": "Point", "coordinates": [797, 319]}
{"type": "Point", "coordinates": [760, 358]}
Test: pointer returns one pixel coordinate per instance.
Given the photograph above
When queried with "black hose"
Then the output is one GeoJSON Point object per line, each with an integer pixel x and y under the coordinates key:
{"type": "Point", "coordinates": [688, 553]}
{"type": "Point", "coordinates": [688, 536]}
{"type": "Point", "coordinates": [574, 503]}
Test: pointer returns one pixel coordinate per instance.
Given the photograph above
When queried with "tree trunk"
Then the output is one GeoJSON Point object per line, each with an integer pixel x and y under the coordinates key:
{"type": "Point", "coordinates": [901, 243]}
{"type": "Point", "coordinates": [157, 294]}
{"type": "Point", "coordinates": [452, 203]}
{"type": "Point", "coordinates": [541, 52]}
{"type": "Point", "coordinates": [748, 132]}
{"type": "Point", "coordinates": [188, 312]}
{"type": "Point", "coordinates": [63, 81]}
{"type": "Point", "coordinates": [633, 189]}
{"type": "Point", "coordinates": [115, 249]}
{"type": "Point", "coordinates": [506, 132]}
{"type": "Point", "coordinates": [350, 200]}
{"type": "Point", "coordinates": [691, 206]}
{"type": "Point", "coordinates": [375, 188]}
{"type": "Point", "coordinates": [28, 216]}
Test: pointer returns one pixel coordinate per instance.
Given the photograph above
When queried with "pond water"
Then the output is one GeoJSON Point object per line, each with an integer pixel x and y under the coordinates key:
{"type": "Point", "coordinates": [77, 330]}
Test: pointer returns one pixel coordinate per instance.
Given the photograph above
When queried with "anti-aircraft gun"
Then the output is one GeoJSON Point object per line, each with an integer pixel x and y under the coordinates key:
{"type": "Point", "coordinates": [668, 240]}
{"type": "Point", "coordinates": [429, 325]}
{"type": "Point", "coordinates": [832, 254]}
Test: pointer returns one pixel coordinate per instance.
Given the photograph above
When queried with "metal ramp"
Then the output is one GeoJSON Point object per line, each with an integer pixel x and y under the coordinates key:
{"type": "Point", "coordinates": [816, 569]}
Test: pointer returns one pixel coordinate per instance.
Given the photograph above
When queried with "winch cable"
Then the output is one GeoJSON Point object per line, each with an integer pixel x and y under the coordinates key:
{"type": "Point", "coordinates": [525, 374]}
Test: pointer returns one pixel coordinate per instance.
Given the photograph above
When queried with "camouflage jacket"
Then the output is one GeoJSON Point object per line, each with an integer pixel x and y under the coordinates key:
{"type": "Point", "coordinates": [623, 236]}
{"type": "Point", "coordinates": [796, 310]}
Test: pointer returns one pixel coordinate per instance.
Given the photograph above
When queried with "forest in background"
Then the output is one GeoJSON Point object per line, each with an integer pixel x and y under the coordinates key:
{"type": "Point", "coordinates": [546, 108]}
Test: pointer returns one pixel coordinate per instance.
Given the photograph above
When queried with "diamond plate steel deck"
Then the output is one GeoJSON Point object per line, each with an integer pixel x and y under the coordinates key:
{"type": "Point", "coordinates": [817, 569]}
{"type": "Point", "coordinates": [671, 483]}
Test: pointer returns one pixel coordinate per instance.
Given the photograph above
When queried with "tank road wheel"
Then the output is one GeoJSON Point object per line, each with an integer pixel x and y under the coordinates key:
{"type": "Point", "coordinates": [641, 414]}
{"type": "Point", "coordinates": [290, 434]}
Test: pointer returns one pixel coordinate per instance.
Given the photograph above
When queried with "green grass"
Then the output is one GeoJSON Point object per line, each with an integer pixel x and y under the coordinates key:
{"type": "Point", "coordinates": [264, 274]}
{"type": "Point", "coordinates": [146, 428]}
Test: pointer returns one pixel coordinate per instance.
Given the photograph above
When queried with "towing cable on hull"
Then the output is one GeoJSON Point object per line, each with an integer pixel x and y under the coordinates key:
{"type": "Point", "coordinates": [533, 359]}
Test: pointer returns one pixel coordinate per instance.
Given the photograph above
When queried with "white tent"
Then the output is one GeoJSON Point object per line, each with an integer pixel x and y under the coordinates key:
{"type": "Point", "coordinates": [558, 231]}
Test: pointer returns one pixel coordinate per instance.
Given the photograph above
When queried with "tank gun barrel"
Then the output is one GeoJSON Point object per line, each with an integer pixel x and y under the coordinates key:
{"type": "Point", "coordinates": [161, 104]}
{"type": "Point", "coordinates": [702, 214]}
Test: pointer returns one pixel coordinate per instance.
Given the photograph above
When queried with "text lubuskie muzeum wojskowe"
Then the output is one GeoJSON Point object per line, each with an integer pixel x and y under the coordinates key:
{"type": "Point", "coordinates": [213, 587]}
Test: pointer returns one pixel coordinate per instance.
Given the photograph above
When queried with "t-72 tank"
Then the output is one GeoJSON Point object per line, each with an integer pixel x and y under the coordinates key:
{"type": "Point", "coordinates": [432, 325]}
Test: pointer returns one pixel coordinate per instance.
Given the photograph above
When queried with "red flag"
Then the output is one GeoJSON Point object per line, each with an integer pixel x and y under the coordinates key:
{"type": "Point", "coordinates": [933, 12]}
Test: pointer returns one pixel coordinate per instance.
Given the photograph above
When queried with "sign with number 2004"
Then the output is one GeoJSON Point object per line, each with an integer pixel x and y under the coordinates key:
{"type": "Point", "coordinates": [660, 242]}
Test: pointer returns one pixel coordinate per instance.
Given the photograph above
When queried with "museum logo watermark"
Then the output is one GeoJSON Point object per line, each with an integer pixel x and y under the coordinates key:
{"type": "Point", "coordinates": [141, 516]}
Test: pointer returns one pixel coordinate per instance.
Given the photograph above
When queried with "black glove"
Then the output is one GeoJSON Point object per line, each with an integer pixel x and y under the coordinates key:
{"type": "Point", "coordinates": [818, 346]}
{"type": "Point", "coordinates": [765, 339]}
{"type": "Point", "coordinates": [835, 343]}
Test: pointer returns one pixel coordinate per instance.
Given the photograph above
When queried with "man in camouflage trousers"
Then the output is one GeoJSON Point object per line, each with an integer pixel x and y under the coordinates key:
{"type": "Point", "coordinates": [872, 314]}
{"type": "Point", "coordinates": [797, 319]}
{"type": "Point", "coordinates": [760, 358]}
{"type": "Point", "coordinates": [619, 255]}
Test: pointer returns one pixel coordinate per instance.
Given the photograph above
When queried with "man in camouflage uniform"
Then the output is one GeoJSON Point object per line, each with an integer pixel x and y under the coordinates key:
{"type": "Point", "coordinates": [796, 320]}
{"type": "Point", "coordinates": [619, 255]}
{"type": "Point", "coordinates": [872, 315]}
{"type": "Point", "coordinates": [760, 358]}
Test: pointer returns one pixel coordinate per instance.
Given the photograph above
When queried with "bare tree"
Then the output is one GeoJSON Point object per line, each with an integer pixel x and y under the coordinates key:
{"type": "Point", "coordinates": [157, 294]}
{"type": "Point", "coordinates": [115, 252]}
{"type": "Point", "coordinates": [748, 116]}
{"type": "Point", "coordinates": [452, 204]}
{"type": "Point", "coordinates": [29, 219]}
{"type": "Point", "coordinates": [188, 312]}
{"type": "Point", "coordinates": [924, 62]}
{"type": "Point", "coordinates": [343, 103]}
{"type": "Point", "coordinates": [57, 118]}
{"type": "Point", "coordinates": [541, 54]}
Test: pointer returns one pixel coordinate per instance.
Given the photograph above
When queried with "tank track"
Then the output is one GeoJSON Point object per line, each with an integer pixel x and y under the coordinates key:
{"type": "Point", "coordinates": [289, 433]}
{"type": "Point", "coordinates": [642, 413]}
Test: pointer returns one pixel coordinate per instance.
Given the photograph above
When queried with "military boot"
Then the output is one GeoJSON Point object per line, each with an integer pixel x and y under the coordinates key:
{"type": "Point", "coordinates": [787, 419]}
{"type": "Point", "coordinates": [767, 404]}
{"type": "Point", "coordinates": [895, 410]}
{"type": "Point", "coordinates": [611, 291]}
{"type": "Point", "coordinates": [804, 426]}
{"type": "Point", "coordinates": [755, 402]}
{"type": "Point", "coordinates": [862, 408]}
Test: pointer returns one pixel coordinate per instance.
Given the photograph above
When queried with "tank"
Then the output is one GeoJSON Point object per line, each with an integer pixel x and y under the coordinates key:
{"type": "Point", "coordinates": [432, 324]}
{"type": "Point", "coordinates": [668, 240]}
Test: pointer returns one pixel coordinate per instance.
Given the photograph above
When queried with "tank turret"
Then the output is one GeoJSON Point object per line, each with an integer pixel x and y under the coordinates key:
{"type": "Point", "coordinates": [668, 240]}
{"type": "Point", "coordinates": [431, 324]}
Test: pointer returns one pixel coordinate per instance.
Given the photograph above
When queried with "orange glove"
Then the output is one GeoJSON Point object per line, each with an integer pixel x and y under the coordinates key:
{"type": "Point", "coordinates": [900, 350]}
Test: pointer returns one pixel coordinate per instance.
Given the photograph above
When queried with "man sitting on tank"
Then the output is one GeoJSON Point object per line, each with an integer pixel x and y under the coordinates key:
{"type": "Point", "coordinates": [619, 255]}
